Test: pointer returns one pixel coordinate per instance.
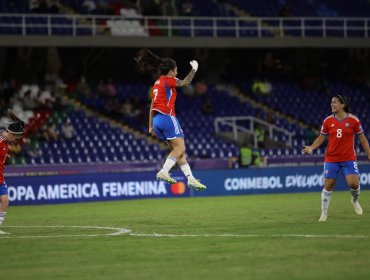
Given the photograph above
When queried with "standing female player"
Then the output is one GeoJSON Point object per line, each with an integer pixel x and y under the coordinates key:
{"type": "Point", "coordinates": [341, 127]}
{"type": "Point", "coordinates": [162, 117]}
{"type": "Point", "coordinates": [12, 134]}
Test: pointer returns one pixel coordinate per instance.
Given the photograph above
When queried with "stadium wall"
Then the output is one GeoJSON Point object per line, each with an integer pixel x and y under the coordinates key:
{"type": "Point", "coordinates": [178, 42]}
{"type": "Point", "coordinates": [69, 188]}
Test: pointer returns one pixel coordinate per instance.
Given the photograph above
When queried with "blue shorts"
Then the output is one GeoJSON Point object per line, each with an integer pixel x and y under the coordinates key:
{"type": "Point", "coordinates": [3, 189]}
{"type": "Point", "coordinates": [167, 127]}
{"type": "Point", "coordinates": [331, 169]}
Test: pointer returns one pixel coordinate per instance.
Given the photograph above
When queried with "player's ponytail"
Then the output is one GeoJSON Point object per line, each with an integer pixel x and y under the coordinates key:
{"type": "Point", "coordinates": [347, 106]}
{"type": "Point", "coordinates": [148, 62]}
{"type": "Point", "coordinates": [16, 126]}
{"type": "Point", "coordinates": [346, 101]}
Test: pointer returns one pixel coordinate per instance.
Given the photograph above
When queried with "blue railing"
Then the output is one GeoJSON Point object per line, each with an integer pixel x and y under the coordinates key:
{"type": "Point", "coordinates": [231, 27]}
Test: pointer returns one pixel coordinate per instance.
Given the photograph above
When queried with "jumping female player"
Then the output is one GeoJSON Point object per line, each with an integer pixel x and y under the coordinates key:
{"type": "Point", "coordinates": [162, 117]}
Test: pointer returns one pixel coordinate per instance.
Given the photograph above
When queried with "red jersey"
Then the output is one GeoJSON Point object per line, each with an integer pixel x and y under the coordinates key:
{"type": "Point", "coordinates": [341, 137]}
{"type": "Point", "coordinates": [164, 95]}
{"type": "Point", "coordinates": [3, 156]}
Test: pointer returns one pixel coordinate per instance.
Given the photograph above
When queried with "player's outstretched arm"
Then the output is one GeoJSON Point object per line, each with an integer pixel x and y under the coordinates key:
{"type": "Point", "coordinates": [187, 80]}
{"type": "Point", "coordinates": [317, 143]}
{"type": "Point", "coordinates": [365, 144]}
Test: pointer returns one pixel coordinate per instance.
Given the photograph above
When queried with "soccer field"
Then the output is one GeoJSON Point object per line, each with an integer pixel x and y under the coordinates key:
{"type": "Point", "coordinates": [243, 237]}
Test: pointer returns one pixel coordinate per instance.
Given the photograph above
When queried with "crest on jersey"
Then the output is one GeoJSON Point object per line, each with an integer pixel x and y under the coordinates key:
{"type": "Point", "coordinates": [347, 124]}
{"type": "Point", "coordinates": [332, 125]}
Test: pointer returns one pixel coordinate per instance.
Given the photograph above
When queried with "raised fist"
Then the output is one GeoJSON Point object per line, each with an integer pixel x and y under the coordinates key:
{"type": "Point", "coordinates": [194, 64]}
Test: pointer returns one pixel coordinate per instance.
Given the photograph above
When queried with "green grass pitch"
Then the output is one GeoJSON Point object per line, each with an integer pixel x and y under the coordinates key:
{"type": "Point", "coordinates": [265, 237]}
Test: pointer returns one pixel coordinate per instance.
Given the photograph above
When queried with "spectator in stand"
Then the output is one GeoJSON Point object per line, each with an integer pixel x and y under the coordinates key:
{"type": "Point", "coordinates": [67, 130]}
{"type": "Point", "coordinates": [256, 86]}
{"type": "Point", "coordinates": [200, 88]}
{"type": "Point", "coordinates": [60, 91]}
{"type": "Point", "coordinates": [260, 133]}
{"type": "Point", "coordinates": [29, 102]}
{"type": "Point", "coordinates": [49, 133]}
{"type": "Point", "coordinates": [128, 108]}
{"type": "Point", "coordinates": [266, 88]}
{"type": "Point", "coordinates": [28, 150]}
{"type": "Point", "coordinates": [187, 8]}
{"type": "Point", "coordinates": [83, 88]}
{"type": "Point", "coordinates": [45, 96]}
{"type": "Point", "coordinates": [261, 87]}
{"type": "Point", "coordinates": [110, 89]}
{"type": "Point", "coordinates": [89, 6]}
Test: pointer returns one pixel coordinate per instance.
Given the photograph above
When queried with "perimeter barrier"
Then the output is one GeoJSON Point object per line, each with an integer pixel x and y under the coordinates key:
{"type": "Point", "coordinates": [33, 189]}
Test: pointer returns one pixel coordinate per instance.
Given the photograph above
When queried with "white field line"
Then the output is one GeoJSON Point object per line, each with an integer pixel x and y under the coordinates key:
{"type": "Point", "coordinates": [122, 231]}
{"type": "Point", "coordinates": [249, 235]}
{"type": "Point", "coordinates": [116, 231]}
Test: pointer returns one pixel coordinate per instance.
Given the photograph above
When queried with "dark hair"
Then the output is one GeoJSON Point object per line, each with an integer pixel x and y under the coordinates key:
{"type": "Point", "coordinates": [148, 62]}
{"type": "Point", "coordinates": [16, 125]}
{"type": "Point", "coordinates": [346, 101]}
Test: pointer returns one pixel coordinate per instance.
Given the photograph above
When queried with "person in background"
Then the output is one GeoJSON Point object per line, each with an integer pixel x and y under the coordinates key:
{"type": "Point", "coordinates": [28, 150]}
{"type": "Point", "coordinates": [187, 8]}
{"type": "Point", "coordinates": [83, 88]}
{"type": "Point", "coordinates": [49, 133]}
{"type": "Point", "coordinates": [67, 130]}
{"type": "Point", "coordinates": [341, 128]}
{"type": "Point", "coordinates": [89, 6]}
{"type": "Point", "coordinates": [162, 117]}
{"type": "Point", "coordinates": [110, 89]}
